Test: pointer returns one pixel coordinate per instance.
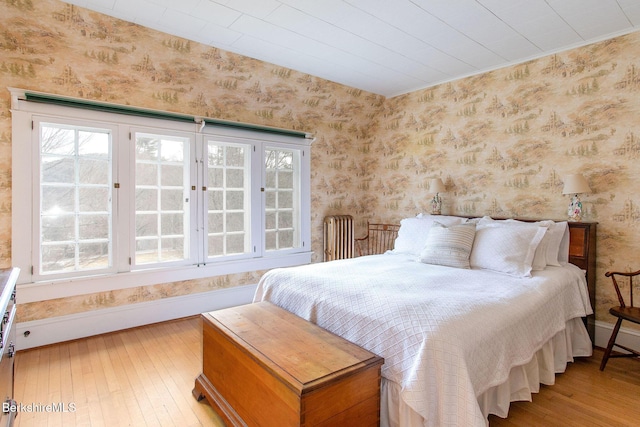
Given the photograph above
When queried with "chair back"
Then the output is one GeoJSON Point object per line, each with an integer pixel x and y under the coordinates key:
{"type": "Point", "coordinates": [620, 281]}
{"type": "Point", "coordinates": [626, 311]}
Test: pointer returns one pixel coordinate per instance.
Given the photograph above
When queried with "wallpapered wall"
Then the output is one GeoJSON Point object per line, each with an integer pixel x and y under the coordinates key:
{"type": "Point", "coordinates": [501, 141]}
{"type": "Point", "coordinates": [50, 46]}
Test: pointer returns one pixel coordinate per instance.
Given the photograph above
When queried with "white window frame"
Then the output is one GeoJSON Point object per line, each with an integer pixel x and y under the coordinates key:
{"type": "Point", "coordinates": [192, 241]}
{"type": "Point", "coordinates": [297, 177]}
{"type": "Point", "coordinates": [254, 196]}
{"type": "Point", "coordinates": [36, 195]}
{"type": "Point", "coordinates": [25, 159]}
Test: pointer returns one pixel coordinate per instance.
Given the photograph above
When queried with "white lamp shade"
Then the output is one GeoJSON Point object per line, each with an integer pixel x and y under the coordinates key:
{"type": "Point", "coordinates": [437, 186]}
{"type": "Point", "coordinates": [575, 184]}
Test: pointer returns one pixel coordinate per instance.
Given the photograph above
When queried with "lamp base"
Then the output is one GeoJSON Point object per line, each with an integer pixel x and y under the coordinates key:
{"type": "Point", "coordinates": [574, 212]}
{"type": "Point", "coordinates": [436, 205]}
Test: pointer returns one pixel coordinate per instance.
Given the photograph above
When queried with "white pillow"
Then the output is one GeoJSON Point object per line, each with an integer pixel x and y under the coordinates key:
{"type": "Point", "coordinates": [563, 252]}
{"type": "Point", "coordinates": [449, 246]}
{"type": "Point", "coordinates": [540, 257]}
{"type": "Point", "coordinates": [413, 232]}
{"type": "Point", "coordinates": [557, 233]}
{"type": "Point", "coordinates": [551, 243]}
{"type": "Point", "coordinates": [547, 250]}
{"type": "Point", "coordinates": [506, 249]}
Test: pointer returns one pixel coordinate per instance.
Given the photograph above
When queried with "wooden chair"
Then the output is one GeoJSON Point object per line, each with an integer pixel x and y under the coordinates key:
{"type": "Point", "coordinates": [623, 312]}
{"type": "Point", "coordinates": [379, 239]}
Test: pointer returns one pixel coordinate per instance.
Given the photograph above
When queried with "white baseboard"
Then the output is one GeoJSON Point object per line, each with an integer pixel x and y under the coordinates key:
{"type": "Point", "coordinates": [626, 336]}
{"type": "Point", "coordinates": [74, 326]}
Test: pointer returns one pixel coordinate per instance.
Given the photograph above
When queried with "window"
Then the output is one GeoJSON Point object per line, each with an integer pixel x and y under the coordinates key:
{"type": "Point", "coordinates": [162, 214]}
{"type": "Point", "coordinates": [121, 194]}
{"type": "Point", "coordinates": [75, 198]}
{"type": "Point", "coordinates": [228, 199]}
{"type": "Point", "coordinates": [282, 199]}
{"type": "Point", "coordinates": [238, 219]}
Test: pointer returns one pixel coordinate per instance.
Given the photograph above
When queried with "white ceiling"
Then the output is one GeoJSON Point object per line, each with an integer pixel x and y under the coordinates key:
{"type": "Point", "coordinates": [388, 47]}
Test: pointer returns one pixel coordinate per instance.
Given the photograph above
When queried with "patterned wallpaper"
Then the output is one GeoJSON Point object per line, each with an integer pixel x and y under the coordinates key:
{"type": "Point", "coordinates": [502, 141]}
{"type": "Point", "coordinates": [50, 46]}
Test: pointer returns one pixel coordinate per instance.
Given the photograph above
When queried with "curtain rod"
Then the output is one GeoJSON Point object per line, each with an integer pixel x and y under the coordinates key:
{"type": "Point", "coordinates": [157, 114]}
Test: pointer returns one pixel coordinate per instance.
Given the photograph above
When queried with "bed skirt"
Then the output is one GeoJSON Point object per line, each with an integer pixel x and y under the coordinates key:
{"type": "Point", "coordinates": [552, 358]}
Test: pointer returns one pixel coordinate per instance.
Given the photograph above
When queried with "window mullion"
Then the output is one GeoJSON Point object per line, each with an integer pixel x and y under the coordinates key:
{"type": "Point", "coordinates": [76, 197]}
{"type": "Point", "coordinates": [124, 197]}
{"type": "Point", "coordinates": [305, 198]}
{"type": "Point", "coordinates": [198, 195]}
{"type": "Point", "coordinates": [258, 198]}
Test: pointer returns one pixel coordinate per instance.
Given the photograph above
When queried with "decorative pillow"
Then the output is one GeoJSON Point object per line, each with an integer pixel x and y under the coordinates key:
{"type": "Point", "coordinates": [413, 232]}
{"type": "Point", "coordinates": [449, 246]}
{"type": "Point", "coordinates": [506, 249]}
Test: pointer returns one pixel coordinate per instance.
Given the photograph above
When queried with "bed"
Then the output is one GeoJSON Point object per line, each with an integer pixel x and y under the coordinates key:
{"type": "Point", "coordinates": [469, 314]}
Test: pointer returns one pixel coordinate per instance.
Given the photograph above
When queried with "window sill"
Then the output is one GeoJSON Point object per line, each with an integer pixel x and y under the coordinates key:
{"type": "Point", "coordinates": [47, 290]}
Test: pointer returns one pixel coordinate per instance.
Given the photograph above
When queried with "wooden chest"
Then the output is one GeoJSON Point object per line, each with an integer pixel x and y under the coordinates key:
{"type": "Point", "coordinates": [263, 366]}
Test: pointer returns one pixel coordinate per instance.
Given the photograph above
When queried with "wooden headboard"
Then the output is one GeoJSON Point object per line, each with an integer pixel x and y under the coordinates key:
{"type": "Point", "coordinates": [582, 252]}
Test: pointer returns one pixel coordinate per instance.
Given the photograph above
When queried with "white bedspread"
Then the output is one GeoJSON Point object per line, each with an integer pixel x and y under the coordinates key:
{"type": "Point", "coordinates": [447, 335]}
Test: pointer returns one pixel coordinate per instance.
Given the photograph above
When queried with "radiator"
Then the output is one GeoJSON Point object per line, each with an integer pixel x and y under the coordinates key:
{"type": "Point", "coordinates": [338, 237]}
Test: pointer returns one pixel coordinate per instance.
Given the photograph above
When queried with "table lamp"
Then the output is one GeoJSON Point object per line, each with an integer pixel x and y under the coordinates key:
{"type": "Point", "coordinates": [436, 203]}
{"type": "Point", "coordinates": [575, 184]}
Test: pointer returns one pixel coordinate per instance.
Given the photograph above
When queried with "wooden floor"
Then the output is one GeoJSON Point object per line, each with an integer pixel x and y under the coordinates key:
{"type": "Point", "coordinates": [137, 377]}
{"type": "Point", "coordinates": [144, 377]}
{"type": "Point", "coordinates": [583, 396]}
